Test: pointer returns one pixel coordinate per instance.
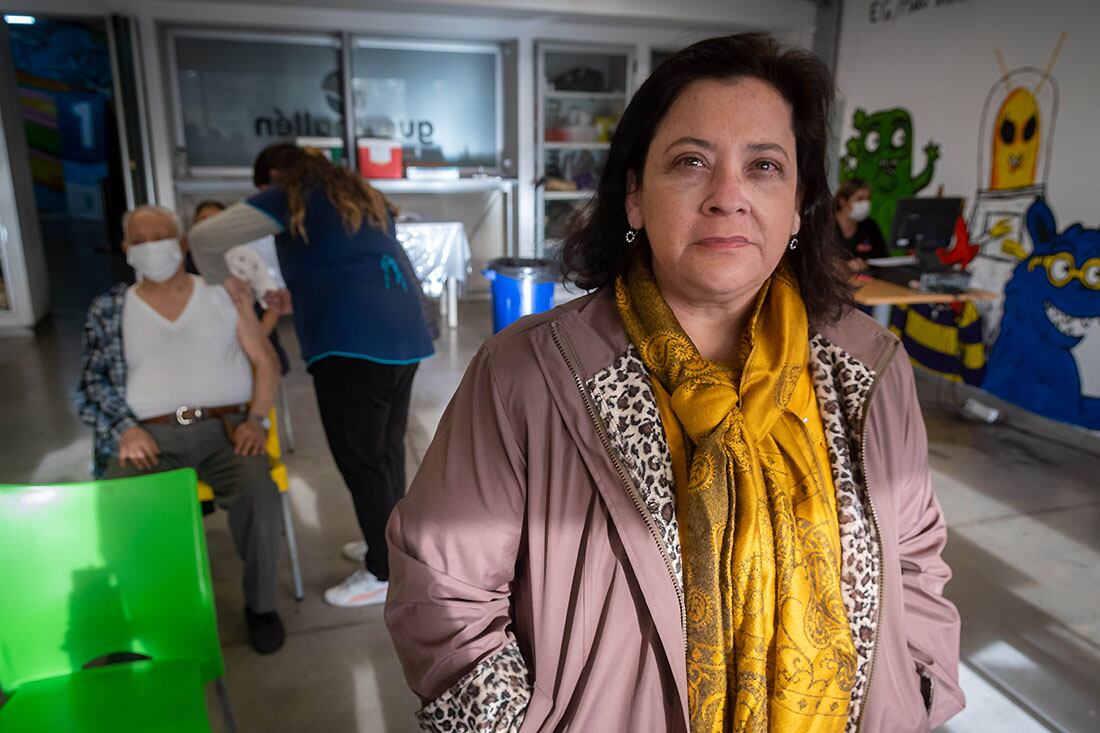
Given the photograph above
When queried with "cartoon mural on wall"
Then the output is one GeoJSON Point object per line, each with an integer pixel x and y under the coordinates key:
{"type": "Point", "coordinates": [1049, 303]}
{"type": "Point", "coordinates": [1016, 136]}
{"type": "Point", "coordinates": [881, 153]}
{"type": "Point", "coordinates": [1016, 139]}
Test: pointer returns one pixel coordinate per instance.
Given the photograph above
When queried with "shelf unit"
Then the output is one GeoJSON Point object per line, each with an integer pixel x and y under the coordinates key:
{"type": "Point", "coordinates": [588, 114]}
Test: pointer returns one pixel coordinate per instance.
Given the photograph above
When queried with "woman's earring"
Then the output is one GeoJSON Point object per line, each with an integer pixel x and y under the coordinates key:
{"type": "Point", "coordinates": [793, 244]}
{"type": "Point", "coordinates": [631, 235]}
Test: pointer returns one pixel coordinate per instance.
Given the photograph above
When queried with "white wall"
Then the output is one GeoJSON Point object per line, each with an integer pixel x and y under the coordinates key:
{"type": "Point", "coordinates": [749, 13]}
{"type": "Point", "coordinates": [936, 58]}
{"type": "Point", "coordinates": [22, 257]}
{"type": "Point", "coordinates": [940, 64]}
{"type": "Point", "coordinates": [644, 24]}
{"type": "Point", "coordinates": [762, 13]}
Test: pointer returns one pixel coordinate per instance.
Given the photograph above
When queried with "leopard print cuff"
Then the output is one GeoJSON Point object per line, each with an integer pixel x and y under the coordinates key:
{"type": "Point", "coordinates": [491, 698]}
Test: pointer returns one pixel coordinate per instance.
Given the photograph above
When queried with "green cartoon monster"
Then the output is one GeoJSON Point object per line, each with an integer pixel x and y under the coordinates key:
{"type": "Point", "coordinates": [882, 154]}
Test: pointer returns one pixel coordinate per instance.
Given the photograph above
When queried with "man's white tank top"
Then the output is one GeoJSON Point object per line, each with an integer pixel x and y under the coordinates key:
{"type": "Point", "coordinates": [194, 361]}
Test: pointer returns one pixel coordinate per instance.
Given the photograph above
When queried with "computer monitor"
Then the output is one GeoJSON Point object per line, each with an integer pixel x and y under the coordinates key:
{"type": "Point", "coordinates": [925, 225]}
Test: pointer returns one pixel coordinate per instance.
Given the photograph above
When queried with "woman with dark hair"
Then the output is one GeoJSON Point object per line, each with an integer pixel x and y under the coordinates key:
{"type": "Point", "coordinates": [856, 231]}
{"type": "Point", "coordinates": [358, 317]}
{"type": "Point", "coordinates": [698, 498]}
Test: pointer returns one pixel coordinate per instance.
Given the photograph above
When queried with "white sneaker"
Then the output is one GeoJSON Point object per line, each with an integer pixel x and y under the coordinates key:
{"type": "Point", "coordinates": [355, 551]}
{"type": "Point", "coordinates": [358, 589]}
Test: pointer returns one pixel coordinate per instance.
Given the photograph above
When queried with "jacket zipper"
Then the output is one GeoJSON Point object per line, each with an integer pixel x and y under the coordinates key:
{"type": "Point", "coordinates": [878, 530]}
{"type": "Point", "coordinates": [571, 361]}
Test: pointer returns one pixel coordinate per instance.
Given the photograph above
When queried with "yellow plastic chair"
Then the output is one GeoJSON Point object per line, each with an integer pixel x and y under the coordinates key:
{"type": "Point", "coordinates": [279, 476]}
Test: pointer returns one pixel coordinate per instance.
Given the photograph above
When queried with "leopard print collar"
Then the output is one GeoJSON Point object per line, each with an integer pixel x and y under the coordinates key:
{"type": "Point", "coordinates": [843, 386]}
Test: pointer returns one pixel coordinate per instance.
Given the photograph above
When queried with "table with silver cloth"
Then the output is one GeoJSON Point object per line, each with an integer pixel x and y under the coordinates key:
{"type": "Point", "coordinates": [440, 255]}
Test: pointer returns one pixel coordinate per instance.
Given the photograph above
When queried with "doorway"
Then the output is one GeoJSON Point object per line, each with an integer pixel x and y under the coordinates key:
{"type": "Point", "coordinates": [66, 92]}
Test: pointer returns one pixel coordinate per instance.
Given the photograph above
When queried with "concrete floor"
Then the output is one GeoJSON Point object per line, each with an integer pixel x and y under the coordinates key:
{"type": "Point", "coordinates": [1024, 513]}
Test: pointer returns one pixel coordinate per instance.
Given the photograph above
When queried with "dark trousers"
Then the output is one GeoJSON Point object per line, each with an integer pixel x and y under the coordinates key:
{"type": "Point", "coordinates": [364, 409]}
{"type": "Point", "coordinates": [242, 486]}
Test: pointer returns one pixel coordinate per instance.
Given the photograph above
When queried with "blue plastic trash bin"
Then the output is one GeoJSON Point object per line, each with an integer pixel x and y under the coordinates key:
{"type": "Point", "coordinates": [520, 287]}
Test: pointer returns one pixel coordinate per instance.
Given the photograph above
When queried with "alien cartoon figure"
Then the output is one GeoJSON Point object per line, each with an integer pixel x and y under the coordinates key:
{"type": "Point", "coordinates": [881, 153]}
{"type": "Point", "coordinates": [1016, 134]}
{"type": "Point", "coordinates": [1049, 303]}
{"type": "Point", "coordinates": [1015, 147]}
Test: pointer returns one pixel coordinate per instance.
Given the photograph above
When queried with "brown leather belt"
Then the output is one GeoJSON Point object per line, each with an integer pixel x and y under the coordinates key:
{"type": "Point", "coordinates": [185, 415]}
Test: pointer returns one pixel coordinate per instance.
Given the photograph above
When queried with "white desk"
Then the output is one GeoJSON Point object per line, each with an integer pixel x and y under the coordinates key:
{"type": "Point", "coordinates": [505, 186]}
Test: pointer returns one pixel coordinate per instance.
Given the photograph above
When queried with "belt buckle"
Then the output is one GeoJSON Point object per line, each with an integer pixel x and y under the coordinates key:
{"type": "Point", "coordinates": [188, 420]}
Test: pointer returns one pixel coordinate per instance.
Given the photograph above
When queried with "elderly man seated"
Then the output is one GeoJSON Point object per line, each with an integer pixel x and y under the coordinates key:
{"type": "Point", "coordinates": [176, 373]}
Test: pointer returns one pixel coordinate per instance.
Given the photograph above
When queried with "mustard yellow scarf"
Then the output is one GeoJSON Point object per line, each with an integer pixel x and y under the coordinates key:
{"type": "Point", "coordinates": [769, 647]}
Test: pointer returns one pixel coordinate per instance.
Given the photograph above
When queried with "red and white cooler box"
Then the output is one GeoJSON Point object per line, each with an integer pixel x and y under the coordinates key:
{"type": "Point", "coordinates": [379, 158]}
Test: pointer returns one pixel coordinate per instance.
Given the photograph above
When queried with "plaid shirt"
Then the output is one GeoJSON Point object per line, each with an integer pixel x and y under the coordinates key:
{"type": "Point", "coordinates": [101, 396]}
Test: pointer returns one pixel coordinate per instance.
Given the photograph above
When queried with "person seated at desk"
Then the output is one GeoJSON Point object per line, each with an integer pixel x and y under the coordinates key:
{"type": "Point", "coordinates": [167, 382]}
{"type": "Point", "coordinates": [855, 230]}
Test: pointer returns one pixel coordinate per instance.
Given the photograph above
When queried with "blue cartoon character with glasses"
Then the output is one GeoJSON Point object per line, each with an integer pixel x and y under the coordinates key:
{"type": "Point", "coordinates": [1050, 302]}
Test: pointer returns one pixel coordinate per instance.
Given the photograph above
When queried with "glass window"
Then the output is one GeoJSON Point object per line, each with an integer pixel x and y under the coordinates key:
{"type": "Point", "coordinates": [240, 93]}
{"type": "Point", "coordinates": [440, 101]}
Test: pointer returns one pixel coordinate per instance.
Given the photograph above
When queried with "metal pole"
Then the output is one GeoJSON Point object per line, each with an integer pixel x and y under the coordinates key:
{"type": "Point", "coordinates": [120, 116]}
{"type": "Point", "coordinates": [351, 154]}
{"type": "Point", "coordinates": [223, 702]}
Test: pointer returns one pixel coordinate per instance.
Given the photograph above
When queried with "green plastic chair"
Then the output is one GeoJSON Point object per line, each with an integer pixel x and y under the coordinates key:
{"type": "Point", "coordinates": [107, 621]}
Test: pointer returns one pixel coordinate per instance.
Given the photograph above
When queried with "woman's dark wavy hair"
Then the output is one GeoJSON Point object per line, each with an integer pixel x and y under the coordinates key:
{"type": "Point", "coordinates": [299, 169]}
{"type": "Point", "coordinates": [594, 252]}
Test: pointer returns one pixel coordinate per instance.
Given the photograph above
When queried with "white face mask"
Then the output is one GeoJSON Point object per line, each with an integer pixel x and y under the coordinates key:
{"type": "Point", "coordinates": [860, 210]}
{"type": "Point", "coordinates": [156, 261]}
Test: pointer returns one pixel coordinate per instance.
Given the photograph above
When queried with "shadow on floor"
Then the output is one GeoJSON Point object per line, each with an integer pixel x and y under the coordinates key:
{"type": "Point", "coordinates": [1032, 657]}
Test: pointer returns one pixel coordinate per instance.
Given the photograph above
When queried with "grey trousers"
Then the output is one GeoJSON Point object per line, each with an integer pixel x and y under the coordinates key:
{"type": "Point", "coordinates": [242, 486]}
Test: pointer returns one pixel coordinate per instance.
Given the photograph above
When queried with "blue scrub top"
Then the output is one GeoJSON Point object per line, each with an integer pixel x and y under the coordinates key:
{"type": "Point", "coordinates": [355, 295]}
